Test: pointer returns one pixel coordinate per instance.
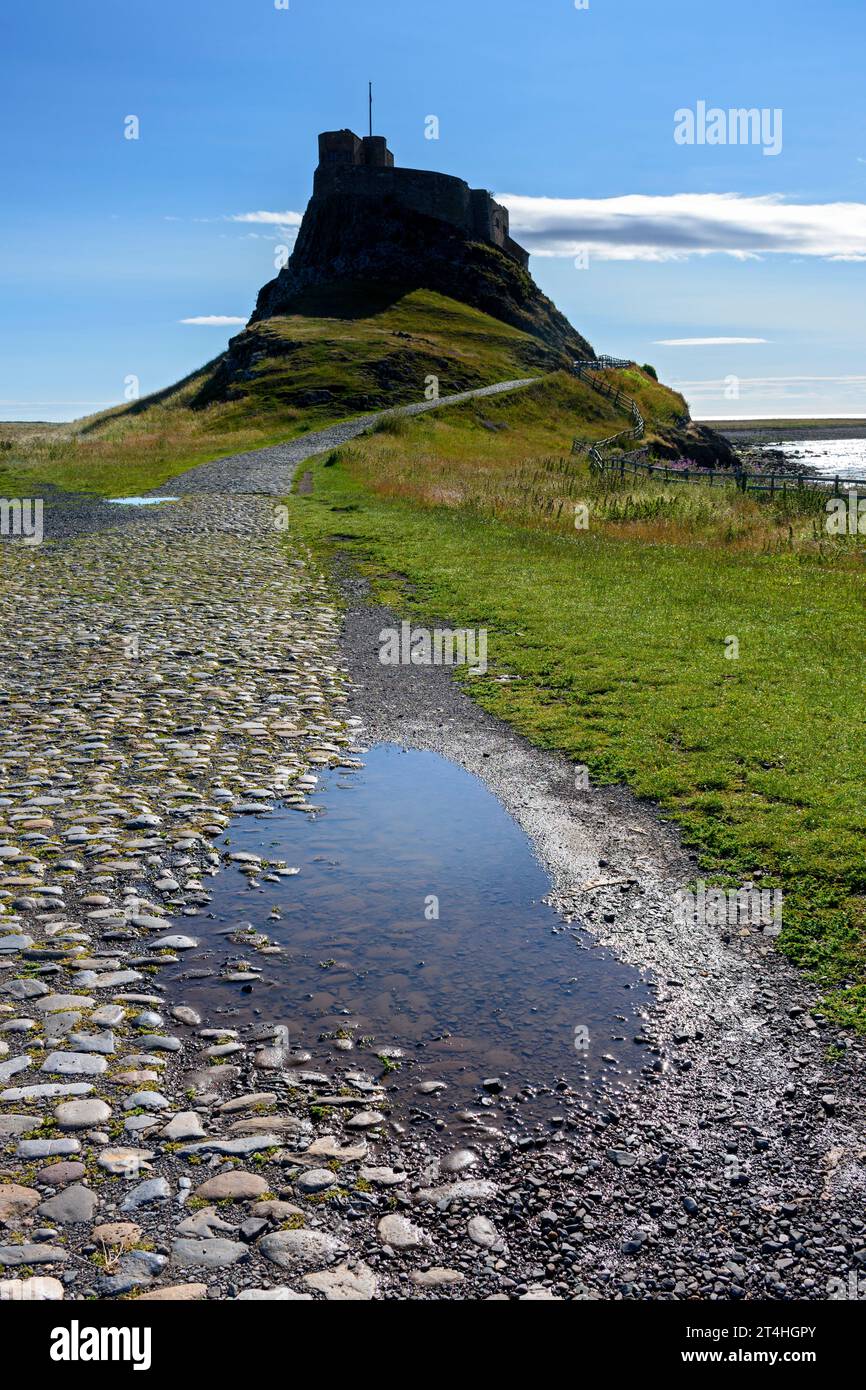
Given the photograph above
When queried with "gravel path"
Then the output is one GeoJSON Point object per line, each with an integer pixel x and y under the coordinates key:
{"type": "Point", "coordinates": [270, 471]}
{"type": "Point", "coordinates": [736, 1166]}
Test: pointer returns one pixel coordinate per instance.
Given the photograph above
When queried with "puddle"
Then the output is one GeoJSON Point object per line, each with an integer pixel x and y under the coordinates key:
{"type": "Point", "coordinates": [139, 501]}
{"type": "Point", "coordinates": [494, 987]}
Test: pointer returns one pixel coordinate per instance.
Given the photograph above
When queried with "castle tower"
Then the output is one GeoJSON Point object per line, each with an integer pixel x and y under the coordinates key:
{"type": "Point", "coordinates": [363, 167]}
{"type": "Point", "coordinates": [344, 147]}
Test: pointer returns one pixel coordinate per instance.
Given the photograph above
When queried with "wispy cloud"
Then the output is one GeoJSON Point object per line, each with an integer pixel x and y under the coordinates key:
{"type": "Point", "coordinates": [705, 342]}
{"type": "Point", "coordinates": [213, 320]}
{"type": "Point", "coordinates": [277, 219]}
{"type": "Point", "coordinates": [644, 227]}
{"type": "Point", "coordinates": [715, 384]}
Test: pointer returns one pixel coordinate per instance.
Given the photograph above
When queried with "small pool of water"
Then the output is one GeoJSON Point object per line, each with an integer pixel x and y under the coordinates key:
{"type": "Point", "coordinates": [416, 922]}
{"type": "Point", "coordinates": [139, 501]}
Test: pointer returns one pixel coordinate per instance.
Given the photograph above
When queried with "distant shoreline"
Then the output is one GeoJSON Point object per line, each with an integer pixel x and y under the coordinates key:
{"type": "Point", "coordinates": [770, 431]}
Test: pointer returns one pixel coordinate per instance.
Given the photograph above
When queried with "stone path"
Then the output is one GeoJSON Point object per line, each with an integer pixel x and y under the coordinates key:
{"type": "Point", "coordinates": [270, 471]}
{"type": "Point", "coordinates": [157, 682]}
{"type": "Point", "coordinates": [162, 678]}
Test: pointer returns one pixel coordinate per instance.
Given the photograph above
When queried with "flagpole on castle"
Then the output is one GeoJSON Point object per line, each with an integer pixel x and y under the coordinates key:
{"type": "Point", "coordinates": [371, 107]}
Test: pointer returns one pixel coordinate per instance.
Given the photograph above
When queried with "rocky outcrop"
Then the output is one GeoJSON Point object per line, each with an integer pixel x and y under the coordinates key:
{"type": "Point", "coordinates": [346, 240]}
{"type": "Point", "coordinates": [697, 442]}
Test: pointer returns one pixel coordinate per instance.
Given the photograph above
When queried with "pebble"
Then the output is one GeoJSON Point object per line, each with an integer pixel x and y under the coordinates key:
{"type": "Point", "coordinates": [186, 1015]}
{"type": "Point", "coordinates": [154, 1190]}
{"type": "Point", "coordinates": [48, 1092]}
{"type": "Point", "coordinates": [74, 1064]}
{"type": "Point", "coordinates": [316, 1180]}
{"type": "Point", "coordinates": [175, 1293]}
{"type": "Point", "coordinates": [233, 1148]}
{"type": "Point", "coordinates": [365, 1119]}
{"type": "Point", "coordinates": [58, 1174]}
{"type": "Point", "coordinates": [434, 1278]}
{"type": "Point", "coordinates": [47, 1148]}
{"type": "Point", "coordinates": [236, 1186]}
{"type": "Point", "coordinates": [251, 1101]}
{"type": "Point", "coordinates": [15, 1202]}
{"type": "Point", "coordinates": [482, 1232]}
{"type": "Point", "coordinates": [75, 1204]}
{"type": "Point", "coordinates": [124, 1163]}
{"type": "Point", "coordinates": [301, 1248]}
{"type": "Point", "coordinates": [345, 1283]}
{"type": "Point", "coordinates": [82, 1114]}
{"type": "Point", "coordinates": [401, 1234]}
{"type": "Point", "coordinates": [151, 1100]}
{"type": "Point", "coordinates": [185, 1125]}
{"type": "Point", "coordinates": [281, 1294]}
{"type": "Point", "coordinates": [383, 1177]}
{"type": "Point", "coordinates": [116, 1233]}
{"type": "Point", "coordinates": [37, 1289]}
{"type": "Point", "coordinates": [470, 1190]}
{"type": "Point", "coordinates": [27, 1254]}
{"type": "Point", "coordinates": [213, 1253]}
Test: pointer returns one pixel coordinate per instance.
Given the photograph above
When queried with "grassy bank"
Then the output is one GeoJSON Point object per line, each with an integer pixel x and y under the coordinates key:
{"type": "Point", "coordinates": [619, 635]}
{"type": "Point", "coordinates": [282, 378]}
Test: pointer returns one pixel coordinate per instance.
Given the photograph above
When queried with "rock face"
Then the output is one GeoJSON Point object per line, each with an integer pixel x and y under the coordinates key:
{"type": "Point", "coordinates": [348, 238]}
{"type": "Point", "coordinates": [363, 244]}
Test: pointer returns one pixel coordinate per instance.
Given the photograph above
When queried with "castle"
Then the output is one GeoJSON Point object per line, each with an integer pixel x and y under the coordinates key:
{"type": "Point", "coordinates": [364, 167]}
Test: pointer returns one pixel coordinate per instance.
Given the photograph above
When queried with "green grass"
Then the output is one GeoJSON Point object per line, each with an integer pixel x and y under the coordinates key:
{"type": "Point", "coordinates": [297, 374]}
{"type": "Point", "coordinates": [619, 641]}
{"type": "Point", "coordinates": [508, 456]}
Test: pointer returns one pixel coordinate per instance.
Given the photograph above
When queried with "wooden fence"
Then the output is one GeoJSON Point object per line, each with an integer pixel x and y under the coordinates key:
{"type": "Point", "coordinates": [774, 484]}
{"type": "Point", "coordinates": [638, 462]}
{"type": "Point", "coordinates": [586, 372]}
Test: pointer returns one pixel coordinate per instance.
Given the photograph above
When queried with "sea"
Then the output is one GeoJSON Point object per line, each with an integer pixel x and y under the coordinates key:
{"type": "Point", "coordinates": [832, 458]}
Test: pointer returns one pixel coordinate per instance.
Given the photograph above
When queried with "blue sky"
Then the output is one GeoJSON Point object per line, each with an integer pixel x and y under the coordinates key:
{"type": "Point", "coordinates": [107, 244]}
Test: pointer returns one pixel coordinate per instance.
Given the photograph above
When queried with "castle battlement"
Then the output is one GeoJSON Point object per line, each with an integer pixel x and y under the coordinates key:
{"type": "Point", "coordinates": [364, 167]}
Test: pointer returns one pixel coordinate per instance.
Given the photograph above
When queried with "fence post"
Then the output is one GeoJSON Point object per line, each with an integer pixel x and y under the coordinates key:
{"type": "Point", "coordinates": [772, 485]}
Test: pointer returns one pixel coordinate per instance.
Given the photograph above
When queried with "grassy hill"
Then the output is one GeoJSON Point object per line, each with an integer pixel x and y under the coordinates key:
{"type": "Point", "coordinates": [339, 356]}
{"type": "Point", "coordinates": [279, 378]}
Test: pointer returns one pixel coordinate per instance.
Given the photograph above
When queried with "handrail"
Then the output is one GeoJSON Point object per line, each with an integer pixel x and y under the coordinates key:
{"type": "Point", "coordinates": [585, 370]}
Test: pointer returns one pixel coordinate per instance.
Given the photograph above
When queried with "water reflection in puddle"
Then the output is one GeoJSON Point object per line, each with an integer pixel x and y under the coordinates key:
{"type": "Point", "coordinates": [139, 501]}
{"type": "Point", "coordinates": [494, 986]}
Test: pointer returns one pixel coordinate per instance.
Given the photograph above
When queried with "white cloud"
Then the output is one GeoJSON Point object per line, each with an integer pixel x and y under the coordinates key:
{"type": "Point", "coordinates": [213, 320]}
{"type": "Point", "coordinates": [670, 227]}
{"type": "Point", "coordinates": [780, 382]}
{"type": "Point", "coordinates": [704, 342]}
{"type": "Point", "coordinates": [804, 396]}
{"type": "Point", "coordinates": [277, 219]}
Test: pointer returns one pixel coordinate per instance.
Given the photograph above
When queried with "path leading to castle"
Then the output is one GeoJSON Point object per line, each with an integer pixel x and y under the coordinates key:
{"type": "Point", "coordinates": [270, 471]}
{"type": "Point", "coordinates": [163, 672]}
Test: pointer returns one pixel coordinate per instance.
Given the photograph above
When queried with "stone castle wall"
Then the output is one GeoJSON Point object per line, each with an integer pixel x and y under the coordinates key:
{"type": "Point", "coordinates": [361, 168]}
